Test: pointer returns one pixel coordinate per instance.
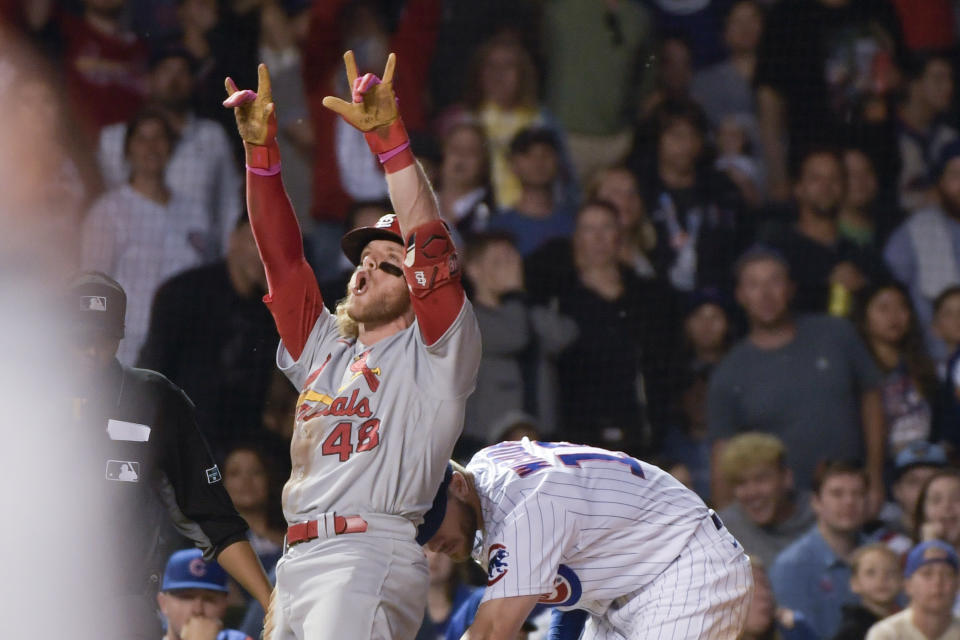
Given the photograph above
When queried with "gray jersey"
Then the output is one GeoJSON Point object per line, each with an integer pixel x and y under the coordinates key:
{"type": "Point", "coordinates": [376, 425]}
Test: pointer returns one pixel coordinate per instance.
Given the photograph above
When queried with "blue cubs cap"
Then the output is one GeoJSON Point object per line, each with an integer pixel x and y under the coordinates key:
{"type": "Point", "coordinates": [186, 569]}
{"type": "Point", "coordinates": [432, 518]}
{"type": "Point", "coordinates": [919, 454]}
{"type": "Point", "coordinates": [929, 552]}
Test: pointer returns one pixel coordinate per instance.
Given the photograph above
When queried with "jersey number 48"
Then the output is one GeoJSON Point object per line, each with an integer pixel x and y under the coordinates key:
{"type": "Point", "coordinates": [339, 442]}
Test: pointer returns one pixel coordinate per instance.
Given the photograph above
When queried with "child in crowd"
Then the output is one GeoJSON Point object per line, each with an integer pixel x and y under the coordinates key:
{"type": "Point", "coordinates": [876, 579]}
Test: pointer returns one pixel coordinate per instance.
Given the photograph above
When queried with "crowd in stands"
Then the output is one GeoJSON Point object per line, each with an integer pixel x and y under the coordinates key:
{"type": "Point", "coordinates": [720, 235]}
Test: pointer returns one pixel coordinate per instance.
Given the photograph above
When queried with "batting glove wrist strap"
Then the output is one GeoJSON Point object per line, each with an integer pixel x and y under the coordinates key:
{"type": "Point", "coordinates": [392, 146]}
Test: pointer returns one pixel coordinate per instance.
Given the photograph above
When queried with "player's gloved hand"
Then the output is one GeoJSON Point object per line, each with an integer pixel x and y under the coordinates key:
{"type": "Point", "coordinates": [374, 104]}
{"type": "Point", "coordinates": [256, 121]}
{"type": "Point", "coordinates": [373, 110]}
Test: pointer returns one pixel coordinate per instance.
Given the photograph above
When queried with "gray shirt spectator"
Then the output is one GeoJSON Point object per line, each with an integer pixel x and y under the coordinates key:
{"type": "Point", "coordinates": [807, 392]}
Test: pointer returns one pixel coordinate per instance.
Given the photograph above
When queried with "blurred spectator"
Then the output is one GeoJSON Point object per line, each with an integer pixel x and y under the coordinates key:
{"type": "Point", "coordinates": [700, 24]}
{"type": "Point", "coordinates": [618, 186]}
{"type": "Point", "coordinates": [674, 75]}
{"type": "Point", "coordinates": [502, 97]}
{"type": "Point", "coordinates": [517, 426]}
{"type": "Point", "coordinates": [931, 584]}
{"type": "Point", "coordinates": [193, 599]}
{"type": "Point", "coordinates": [824, 72]}
{"type": "Point", "coordinates": [726, 88]}
{"type": "Point", "coordinates": [284, 27]}
{"type": "Point", "coordinates": [927, 24]}
{"type": "Point", "coordinates": [706, 338]}
{"type": "Point", "coordinates": [913, 466]}
{"type": "Point", "coordinates": [820, 258]}
{"type": "Point", "coordinates": [946, 325]}
{"type": "Point", "coordinates": [767, 621]}
{"type": "Point", "coordinates": [876, 579]}
{"type": "Point", "coordinates": [538, 215]}
{"type": "Point", "coordinates": [826, 403]}
{"type": "Point", "coordinates": [211, 334]}
{"type": "Point", "coordinates": [521, 342]}
{"type": "Point", "coordinates": [446, 593]}
{"type": "Point", "coordinates": [938, 508]}
{"type": "Point", "coordinates": [922, 127]}
{"type": "Point", "coordinates": [141, 233]}
{"type": "Point", "coordinates": [735, 159]}
{"type": "Point", "coordinates": [625, 330]}
{"type": "Point", "coordinates": [866, 219]}
{"type": "Point", "coordinates": [577, 36]}
{"type": "Point", "coordinates": [698, 212]}
{"type": "Point", "coordinates": [887, 324]}
{"type": "Point", "coordinates": [767, 514]}
{"type": "Point", "coordinates": [343, 168]}
{"type": "Point", "coordinates": [465, 194]}
{"type": "Point", "coordinates": [202, 167]}
{"type": "Point", "coordinates": [52, 177]}
{"type": "Point", "coordinates": [103, 63]}
{"type": "Point", "coordinates": [812, 575]}
{"type": "Point", "coordinates": [248, 478]}
{"type": "Point", "coordinates": [924, 252]}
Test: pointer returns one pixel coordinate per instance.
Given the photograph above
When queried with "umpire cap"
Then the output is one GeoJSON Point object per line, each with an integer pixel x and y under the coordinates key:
{"type": "Point", "coordinates": [387, 228]}
{"type": "Point", "coordinates": [97, 304]}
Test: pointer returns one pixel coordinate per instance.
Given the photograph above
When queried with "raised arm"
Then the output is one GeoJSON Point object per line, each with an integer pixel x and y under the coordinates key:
{"type": "Point", "coordinates": [294, 297]}
{"type": "Point", "coordinates": [431, 266]}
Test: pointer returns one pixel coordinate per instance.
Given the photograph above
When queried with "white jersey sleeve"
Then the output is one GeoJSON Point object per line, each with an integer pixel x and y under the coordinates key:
{"type": "Point", "coordinates": [523, 552]}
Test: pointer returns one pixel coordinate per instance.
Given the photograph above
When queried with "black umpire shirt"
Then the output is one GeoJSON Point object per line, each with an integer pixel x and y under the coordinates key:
{"type": "Point", "coordinates": [157, 471]}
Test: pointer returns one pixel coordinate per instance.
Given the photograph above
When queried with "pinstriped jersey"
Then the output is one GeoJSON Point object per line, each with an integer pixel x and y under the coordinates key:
{"type": "Point", "coordinates": [376, 424]}
{"type": "Point", "coordinates": [581, 525]}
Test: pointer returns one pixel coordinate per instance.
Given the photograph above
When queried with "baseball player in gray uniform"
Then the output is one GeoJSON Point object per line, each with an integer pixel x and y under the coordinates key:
{"type": "Point", "coordinates": [383, 381]}
{"type": "Point", "coordinates": [583, 528]}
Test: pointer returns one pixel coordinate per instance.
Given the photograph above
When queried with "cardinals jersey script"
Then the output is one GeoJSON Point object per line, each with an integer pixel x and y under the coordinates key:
{"type": "Point", "coordinates": [585, 526]}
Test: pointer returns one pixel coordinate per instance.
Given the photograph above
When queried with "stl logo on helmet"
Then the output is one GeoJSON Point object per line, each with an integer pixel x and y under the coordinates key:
{"type": "Point", "coordinates": [497, 564]}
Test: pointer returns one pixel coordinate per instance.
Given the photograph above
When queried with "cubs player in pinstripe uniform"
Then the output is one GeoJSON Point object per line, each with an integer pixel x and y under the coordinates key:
{"type": "Point", "coordinates": [583, 528]}
{"type": "Point", "coordinates": [383, 383]}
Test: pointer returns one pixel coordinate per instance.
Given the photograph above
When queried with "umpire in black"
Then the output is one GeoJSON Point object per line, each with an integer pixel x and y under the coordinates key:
{"type": "Point", "coordinates": [158, 468]}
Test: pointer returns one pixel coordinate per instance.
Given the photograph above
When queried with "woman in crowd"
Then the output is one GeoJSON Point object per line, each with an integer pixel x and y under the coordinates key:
{"type": "Point", "coordinates": [618, 186]}
{"type": "Point", "coordinates": [465, 194]}
{"type": "Point", "coordinates": [247, 478]}
{"type": "Point", "coordinates": [938, 508]}
{"type": "Point", "coordinates": [888, 325]}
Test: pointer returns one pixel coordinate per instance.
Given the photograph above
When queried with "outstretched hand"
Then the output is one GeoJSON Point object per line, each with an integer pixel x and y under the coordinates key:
{"type": "Point", "coordinates": [255, 112]}
{"type": "Point", "coordinates": [374, 103]}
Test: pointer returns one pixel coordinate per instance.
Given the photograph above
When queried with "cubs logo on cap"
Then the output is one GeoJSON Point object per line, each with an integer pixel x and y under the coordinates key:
{"type": "Point", "coordinates": [386, 228]}
{"type": "Point", "coordinates": [187, 569]}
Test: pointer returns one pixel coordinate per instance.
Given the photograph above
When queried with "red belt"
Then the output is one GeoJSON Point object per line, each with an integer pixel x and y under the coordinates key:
{"type": "Point", "coordinates": [304, 531]}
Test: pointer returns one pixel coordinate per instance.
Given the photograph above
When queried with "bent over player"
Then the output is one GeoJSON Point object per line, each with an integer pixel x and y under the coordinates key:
{"type": "Point", "coordinates": [383, 383]}
{"type": "Point", "coordinates": [583, 528]}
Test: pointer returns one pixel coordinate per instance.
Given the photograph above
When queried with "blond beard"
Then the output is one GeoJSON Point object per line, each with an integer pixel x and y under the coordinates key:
{"type": "Point", "coordinates": [384, 310]}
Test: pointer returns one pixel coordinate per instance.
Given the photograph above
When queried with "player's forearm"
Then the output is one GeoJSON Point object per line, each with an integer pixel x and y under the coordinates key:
{"type": "Point", "coordinates": [240, 561]}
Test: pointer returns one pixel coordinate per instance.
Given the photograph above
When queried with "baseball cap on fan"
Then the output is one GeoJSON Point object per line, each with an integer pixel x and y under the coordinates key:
{"type": "Point", "coordinates": [97, 304]}
{"type": "Point", "coordinates": [186, 569]}
{"type": "Point", "coordinates": [353, 242]}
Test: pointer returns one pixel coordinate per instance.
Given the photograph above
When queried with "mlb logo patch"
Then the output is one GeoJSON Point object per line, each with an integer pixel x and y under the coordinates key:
{"type": "Point", "coordinates": [95, 303]}
{"type": "Point", "coordinates": [123, 471]}
{"type": "Point", "coordinates": [213, 475]}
